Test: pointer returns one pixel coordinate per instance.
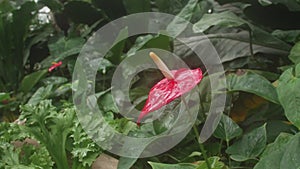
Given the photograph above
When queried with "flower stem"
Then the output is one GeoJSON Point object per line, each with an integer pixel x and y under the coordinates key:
{"type": "Point", "coordinates": [201, 147]}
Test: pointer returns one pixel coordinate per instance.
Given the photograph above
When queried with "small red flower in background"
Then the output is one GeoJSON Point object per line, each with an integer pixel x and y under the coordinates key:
{"type": "Point", "coordinates": [176, 83]}
{"type": "Point", "coordinates": [54, 65]}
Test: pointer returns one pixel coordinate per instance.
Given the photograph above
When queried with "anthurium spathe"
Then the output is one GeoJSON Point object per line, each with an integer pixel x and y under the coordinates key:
{"type": "Point", "coordinates": [175, 84]}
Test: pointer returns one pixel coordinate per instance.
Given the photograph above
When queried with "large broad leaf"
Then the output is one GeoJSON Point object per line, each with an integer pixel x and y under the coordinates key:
{"type": "Point", "coordinates": [249, 146]}
{"type": "Point", "coordinates": [126, 163]}
{"type": "Point", "coordinates": [41, 94]}
{"type": "Point", "coordinates": [224, 19]}
{"type": "Point", "coordinates": [215, 163]}
{"type": "Point", "coordinates": [136, 6]}
{"type": "Point", "coordinates": [31, 80]}
{"type": "Point", "coordinates": [228, 19]}
{"type": "Point", "coordinates": [289, 95]}
{"type": "Point", "coordinates": [295, 53]}
{"type": "Point", "coordinates": [237, 43]}
{"type": "Point", "coordinates": [37, 37]}
{"type": "Point", "coordinates": [54, 5]}
{"type": "Point", "coordinates": [149, 41]}
{"type": "Point", "coordinates": [291, 4]}
{"type": "Point", "coordinates": [108, 103]}
{"type": "Point", "coordinates": [290, 36]}
{"type": "Point", "coordinates": [178, 25]}
{"type": "Point", "coordinates": [112, 8]}
{"type": "Point", "coordinates": [63, 48]}
{"type": "Point", "coordinates": [229, 46]}
{"type": "Point", "coordinates": [82, 12]}
{"type": "Point", "coordinates": [227, 129]}
{"type": "Point", "coordinates": [291, 156]}
{"type": "Point", "coordinates": [252, 83]}
{"type": "Point", "coordinates": [272, 156]}
{"type": "Point", "coordinates": [4, 96]}
{"type": "Point", "coordinates": [169, 6]}
{"type": "Point", "coordinates": [14, 31]}
{"type": "Point", "coordinates": [116, 52]}
{"type": "Point", "coordinates": [172, 166]}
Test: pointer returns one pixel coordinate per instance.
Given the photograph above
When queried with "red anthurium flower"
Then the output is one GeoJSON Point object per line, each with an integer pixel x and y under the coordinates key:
{"type": "Point", "coordinates": [176, 83]}
{"type": "Point", "coordinates": [54, 65]}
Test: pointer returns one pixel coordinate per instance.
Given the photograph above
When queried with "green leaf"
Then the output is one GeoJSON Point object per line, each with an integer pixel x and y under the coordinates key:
{"type": "Point", "coordinates": [136, 6]}
{"type": "Point", "coordinates": [63, 48]}
{"type": "Point", "coordinates": [214, 162]}
{"type": "Point", "coordinates": [172, 166]}
{"type": "Point", "coordinates": [227, 129]}
{"type": "Point", "coordinates": [224, 19]}
{"type": "Point", "coordinates": [54, 5]}
{"type": "Point", "coordinates": [290, 36]}
{"type": "Point", "coordinates": [54, 80]}
{"type": "Point", "coordinates": [41, 94]}
{"type": "Point", "coordinates": [291, 4]}
{"type": "Point", "coordinates": [230, 46]}
{"type": "Point", "coordinates": [4, 96]}
{"type": "Point", "coordinates": [170, 6]}
{"type": "Point", "coordinates": [228, 19]}
{"type": "Point", "coordinates": [149, 41]}
{"type": "Point", "coordinates": [275, 127]}
{"type": "Point", "coordinates": [273, 154]}
{"type": "Point", "coordinates": [31, 80]}
{"type": "Point", "coordinates": [178, 25]}
{"type": "Point", "coordinates": [295, 53]}
{"type": "Point", "coordinates": [249, 146]}
{"type": "Point", "coordinates": [108, 104]}
{"type": "Point", "coordinates": [291, 156]}
{"type": "Point", "coordinates": [82, 12]}
{"type": "Point", "coordinates": [252, 83]}
{"type": "Point", "coordinates": [116, 52]}
{"type": "Point", "coordinates": [288, 94]}
{"type": "Point", "coordinates": [126, 163]}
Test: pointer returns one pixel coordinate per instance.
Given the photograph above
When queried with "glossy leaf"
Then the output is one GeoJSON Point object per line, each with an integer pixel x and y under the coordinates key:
{"type": "Point", "coordinates": [215, 163]}
{"type": "Point", "coordinates": [149, 41]}
{"type": "Point", "coordinates": [230, 46]}
{"type": "Point", "coordinates": [63, 48]}
{"type": "Point", "coordinates": [227, 129]}
{"type": "Point", "coordinates": [292, 5]}
{"type": "Point", "coordinates": [229, 19]}
{"type": "Point", "coordinates": [249, 146]}
{"type": "Point", "coordinates": [252, 83]}
{"type": "Point", "coordinates": [178, 25]}
{"type": "Point", "coordinates": [288, 94]}
{"type": "Point", "coordinates": [295, 53]}
{"type": "Point", "coordinates": [225, 19]}
{"type": "Point", "coordinates": [82, 12]}
{"type": "Point", "coordinates": [136, 6]}
{"type": "Point", "coordinates": [41, 94]}
{"type": "Point", "coordinates": [272, 155]}
{"type": "Point", "coordinates": [4, 96]}
{"type": "Point", "coordinates": [291, 156]}
{"type": "Point", "coordinates": [126, 163]}
{"type": "Point", "coordinates": [116, 51]}
{"type": "Point", "coordinates": [31, 80]}
{"type": "Point", "coordinates": [108, 103]}
{"type": "Point", "coordinates": [172, 166]}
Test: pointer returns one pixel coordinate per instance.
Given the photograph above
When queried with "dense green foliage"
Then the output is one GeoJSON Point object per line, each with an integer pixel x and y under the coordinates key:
{"type": "Point", "coordinates": [259, 45]}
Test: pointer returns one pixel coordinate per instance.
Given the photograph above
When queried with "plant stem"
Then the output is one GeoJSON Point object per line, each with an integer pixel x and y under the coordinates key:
{"type": "Point", "coordinates": [201, 147]}
{"type": "Point", "coordinates": [229, 160]}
